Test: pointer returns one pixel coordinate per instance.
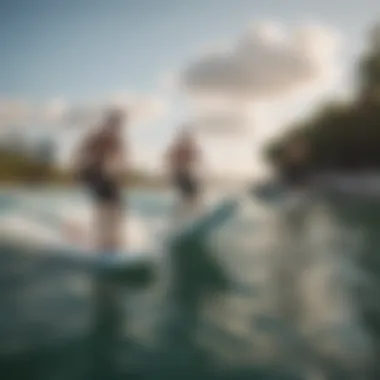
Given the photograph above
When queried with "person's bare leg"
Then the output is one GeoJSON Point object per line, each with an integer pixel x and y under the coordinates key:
{"type": "Point", "coordinates": [99, 227]}
{"type": "Point", "coordinates": [115, 223]}
{"type": "Point", "coordinates": [108, 227]}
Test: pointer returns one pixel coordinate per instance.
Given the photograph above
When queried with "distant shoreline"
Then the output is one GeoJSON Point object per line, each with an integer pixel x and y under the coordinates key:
{"type": "Point", "coordinates": [360, 185]}
{"type": "Point", "coordinates": [73, 185]}
{"type": "Point", "coordinates": [356, 184]}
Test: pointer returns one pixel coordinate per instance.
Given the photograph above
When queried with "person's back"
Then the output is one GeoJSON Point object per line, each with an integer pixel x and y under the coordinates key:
{"type": "Point", "coordinates": [100, 168]}
{"type": "Point", "coordinates": [182, 159]}
{"type": "Point", "coordinates": [183, 156]}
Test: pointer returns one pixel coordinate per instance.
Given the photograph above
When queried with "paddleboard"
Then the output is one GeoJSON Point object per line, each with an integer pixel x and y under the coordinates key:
{"type": "Point", "coordinates": [202, 226]}
{"type": "Point", "coordinates": [126, 264]}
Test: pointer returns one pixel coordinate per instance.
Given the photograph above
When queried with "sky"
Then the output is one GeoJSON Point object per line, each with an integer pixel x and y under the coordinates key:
{"type": "Point", "coordinates": [245, 67]}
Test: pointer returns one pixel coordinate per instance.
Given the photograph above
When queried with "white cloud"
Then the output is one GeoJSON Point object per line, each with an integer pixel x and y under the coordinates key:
{"type": "Point", "coordinates": [225, 122]}
{"type": "Point", "coordinates": [14, 111]}
{"type": "Point", "coordinates": [226, 86]}
{"type": "Point", "coordinates": [54, 110]}
{"type": "Point", "coordinates": [266, 62]}
{"type": "Point", "coordinates": [139, 109]}
{"type": "Point", "coordinates": [18, 112]}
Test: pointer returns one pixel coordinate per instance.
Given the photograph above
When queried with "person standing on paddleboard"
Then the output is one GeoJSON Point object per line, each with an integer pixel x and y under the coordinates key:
{"type": "Point", "coordinates": [100, 166]}
{"type": "Point", "coordinates": [182, 159]}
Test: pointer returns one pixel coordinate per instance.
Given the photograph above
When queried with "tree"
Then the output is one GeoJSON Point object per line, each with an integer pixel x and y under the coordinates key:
{"type": "Point", "coordinates": [369, 68]}
{"type": "Point", "coordinates": [46, 151]}
{"type": "Point", "coordinates": [343, 136]}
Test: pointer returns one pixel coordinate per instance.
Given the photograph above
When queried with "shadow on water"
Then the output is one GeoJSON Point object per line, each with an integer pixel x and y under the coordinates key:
{"type": "Point", "coordinates": [107, 328]}
{"type": "Point", "coordinates": [362, 216]}
{"type": "Point", "coordinates": [100, 348]}
{"type": "Point", "coordinates": [57, 322]}
{"type": "Point", "coordinates": [195, 278]}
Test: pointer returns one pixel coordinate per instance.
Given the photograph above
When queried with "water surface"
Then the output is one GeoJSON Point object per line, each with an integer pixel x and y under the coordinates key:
{"type": "Point", "coordinates": [272, 294]}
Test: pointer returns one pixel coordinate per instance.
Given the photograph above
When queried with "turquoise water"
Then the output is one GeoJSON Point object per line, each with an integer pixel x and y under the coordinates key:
{"type": "Point", "coordinates": [274, 293]}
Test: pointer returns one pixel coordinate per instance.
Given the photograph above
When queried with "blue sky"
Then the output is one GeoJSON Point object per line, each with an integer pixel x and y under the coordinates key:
{"type": "Point", "coordinates": [83, 50]}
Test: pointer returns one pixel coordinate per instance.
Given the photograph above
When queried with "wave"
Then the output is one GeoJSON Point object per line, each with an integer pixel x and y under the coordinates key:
{"type": "Point", "coordinates": [47, 225]}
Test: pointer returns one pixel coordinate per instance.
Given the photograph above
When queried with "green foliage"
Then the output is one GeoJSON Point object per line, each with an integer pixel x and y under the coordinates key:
{"type": "Point", "coordinates": [342, 136]}
{"type": "Point", "coordinates": [18, 167]}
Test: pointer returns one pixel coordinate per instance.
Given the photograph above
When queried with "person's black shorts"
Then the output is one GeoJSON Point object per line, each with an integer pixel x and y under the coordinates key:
{"type": "Point", "coordinates": [186, 184]}
{"type": "Point", "coordinates": [103, 189]}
